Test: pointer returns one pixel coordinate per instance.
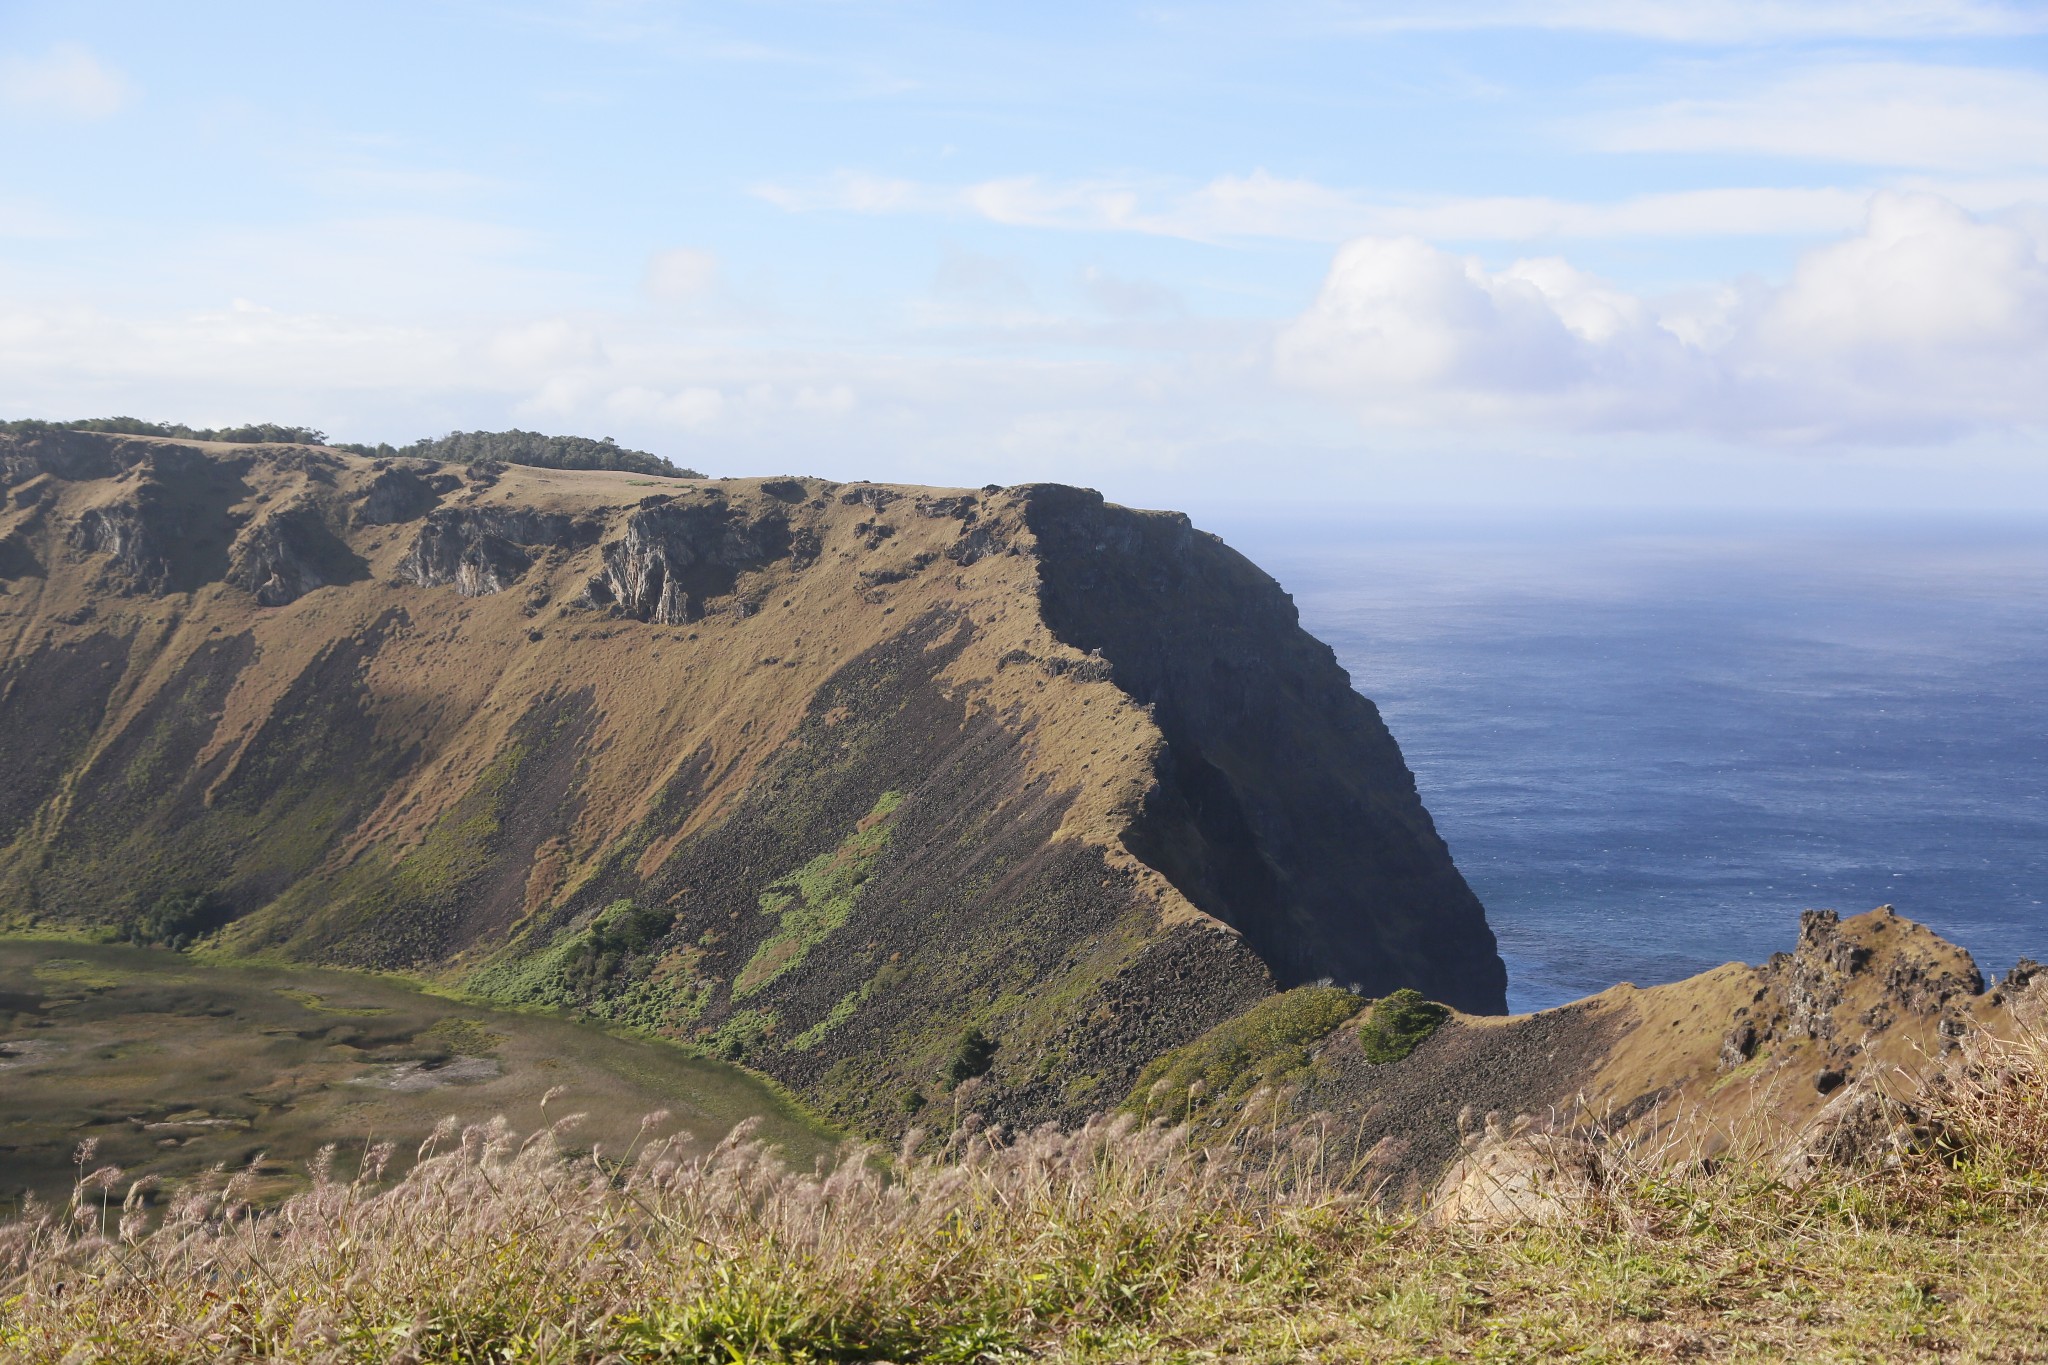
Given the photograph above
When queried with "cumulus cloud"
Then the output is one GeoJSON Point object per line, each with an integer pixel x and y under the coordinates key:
{"type": "Point", "coordinates": [67, 82]}
{"type": "Point", "coordinates": [1928, 322]}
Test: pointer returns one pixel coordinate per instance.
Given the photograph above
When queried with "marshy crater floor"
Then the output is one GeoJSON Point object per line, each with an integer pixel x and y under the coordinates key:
{"type": "Point", "coordinates": [178, 1063]}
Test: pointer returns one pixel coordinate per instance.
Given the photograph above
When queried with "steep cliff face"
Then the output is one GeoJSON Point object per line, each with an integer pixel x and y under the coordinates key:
{"type": "Point", "coordinates": [1329, 869]}
{"type": "Point", "coordinates": [872, 788]}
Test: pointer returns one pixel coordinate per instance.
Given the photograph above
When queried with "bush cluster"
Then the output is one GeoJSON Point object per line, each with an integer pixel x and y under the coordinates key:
{"type": "Point", "coordinates": [457, 447]}
{"type": "Point", "coordinates": [1397, 1024]}
{"type": "Point", "coordinates": [255, 433]}
{"type": "Point", "coordinates": [532, 448]}
{"type": "Point", "coordinates": [176, 918]}
{"type": "Point", "coordinates": [1267, 1045]}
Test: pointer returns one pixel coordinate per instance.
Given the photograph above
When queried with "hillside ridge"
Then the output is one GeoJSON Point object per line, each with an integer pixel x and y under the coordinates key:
{"type": "Point", "coordinates": [877, 789]}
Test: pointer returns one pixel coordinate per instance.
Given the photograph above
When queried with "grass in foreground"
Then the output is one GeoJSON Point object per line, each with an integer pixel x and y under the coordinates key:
{"type": "Point", "coordinates": [1116, 1242]}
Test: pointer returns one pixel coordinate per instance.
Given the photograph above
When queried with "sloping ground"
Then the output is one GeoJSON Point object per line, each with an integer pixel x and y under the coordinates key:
{"type": "Point", "coordinates": [872, 788]}
{"type": "Point", "coordinates": [173, 1065]}
{"type": "Point", "coordinates": [1794, 1056]}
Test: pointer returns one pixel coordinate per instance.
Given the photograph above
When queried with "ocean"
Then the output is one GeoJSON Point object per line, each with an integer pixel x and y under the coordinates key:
{"type": "Point", "coordinates": [1650, 746]}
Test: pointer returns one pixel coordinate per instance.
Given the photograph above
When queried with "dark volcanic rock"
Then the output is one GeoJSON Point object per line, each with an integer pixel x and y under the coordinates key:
{"type": "Point", "coordinates": [68, 455]}
{"type": "Point", "coordinates": [169, 531]}
{"type": "Point", "coordinates": [674, 557]}
{"type": "Point", "coordinates": [399, 494]}
{"type": "Point", "coordinates": [1412, 1116]}
{"type": "Point", "coordinates": [290, 553]}
{"type": "Point", "coordinates": [18, 557]}
{"type": "Point", "coordinates": [482, 550]}
{"type": "Point", "coordinates": [1283, 806]}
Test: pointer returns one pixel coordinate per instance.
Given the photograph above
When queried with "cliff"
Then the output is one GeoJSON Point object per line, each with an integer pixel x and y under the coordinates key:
{"type": "Point", "coordinates": [876, 789]}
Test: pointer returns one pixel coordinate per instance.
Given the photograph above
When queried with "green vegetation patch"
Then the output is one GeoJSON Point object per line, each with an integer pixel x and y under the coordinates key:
{"type": "Point", "coordinates": [70, 972]}
{"type": "Point", "coordinates": [535, 449]}
{"type": "Point", "coordinates": [834, 1017]}
{"type": "Point", "coordinates": [464, 1037]}
{"type": "Point", "coordinates": [1268, 1044]}
{"type": "Point", "coordinates": [1398, 1024]}
{"type": "Point", "coordinates": [742, 1032]}
{"type": "Point", "coordinates": [577, 965]}
{"type": "Point", "coordinates": [816, 899]}
{"type": "Point", "coordinates": [318, 1003]}
{"type": "Point", "coordinates": [890, 976]}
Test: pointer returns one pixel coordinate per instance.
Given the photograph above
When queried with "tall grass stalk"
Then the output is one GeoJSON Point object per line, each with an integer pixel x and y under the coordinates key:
{"type": "Point", "coordinates": [1119, 1241]}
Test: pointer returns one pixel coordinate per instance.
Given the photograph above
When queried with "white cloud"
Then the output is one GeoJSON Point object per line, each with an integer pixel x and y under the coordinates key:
{"type": "Point", "coordinates": [693, 405]}
{"type": "Point", "coordinates": [1927, 323]}
{"type": "Point", "coordinates": [1262, 205]}
{"type": "Point", "coordinates": [681, 274]}
{"type": "Point", "coordinates": [1946, 118]}
{"type": "Point", "coordinates": [1716, 21]}
{"type": "Point", "coordinates": [545, 347]}
{"type": "Point", "coordinates": [67, 81]}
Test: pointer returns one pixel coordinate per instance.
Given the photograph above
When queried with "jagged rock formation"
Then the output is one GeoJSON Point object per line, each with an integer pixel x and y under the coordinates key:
{"type": "Point", "coordinates": [164, 525]}
{"type": "Point", "coordinates": [1811, 1052]}
{"type": "Point", "coordinates": [399, 493]}
{"type": "Point", "coordinates": [878, 790]}
{"type": "Point", "coordinates": [290, 553]}
{"type": "Point", "coordinates": [676, 556]}
{"type": "Point", "coordinates": [482, 550]}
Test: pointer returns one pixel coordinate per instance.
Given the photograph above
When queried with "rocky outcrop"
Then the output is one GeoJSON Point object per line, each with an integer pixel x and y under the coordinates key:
{"type": "Point", "coordinates": [167, 526]}
{"type": "Point", "coordinates": [290, 553]}
{"type": "Point", "coordinates": [399, 494]}
{"type": "Point", "coordinates": [676, 556]}
{"type": "Point", "coordinates": [483, 550]}
{"type": "Point", "coordinates": [1841, 991]}
{"type": "Point", "coordinates": [18, 557]}
{"type": "Point", "coordinates": [1823, 1057]}
{"type": "Point", "coordinates": [67, 455]}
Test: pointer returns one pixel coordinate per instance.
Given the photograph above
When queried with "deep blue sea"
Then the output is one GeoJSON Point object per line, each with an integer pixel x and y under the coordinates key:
{"type": "Point", "coordinates": [1650, 746]}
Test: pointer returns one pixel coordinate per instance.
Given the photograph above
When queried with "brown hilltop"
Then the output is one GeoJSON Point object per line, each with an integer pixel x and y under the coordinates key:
{"type": "Point", "coordinates": [820, 775]}
{"type": "Point", "coordinates": [1814, 1057]}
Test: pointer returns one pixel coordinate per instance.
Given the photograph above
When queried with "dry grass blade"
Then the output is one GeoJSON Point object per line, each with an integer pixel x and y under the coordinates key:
{"type": "Point", "coordinates": [1115, 1241]}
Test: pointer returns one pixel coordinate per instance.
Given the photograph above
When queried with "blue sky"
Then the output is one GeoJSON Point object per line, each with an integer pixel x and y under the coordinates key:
{"type": "Point", "coordinates": [1585, 253]}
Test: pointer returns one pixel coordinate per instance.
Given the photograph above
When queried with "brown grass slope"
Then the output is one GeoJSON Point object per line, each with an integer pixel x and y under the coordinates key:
{"type": "Point", "coordinates": [820, 776]}
{"type": "Point", "coordinates": [1809, 1057]}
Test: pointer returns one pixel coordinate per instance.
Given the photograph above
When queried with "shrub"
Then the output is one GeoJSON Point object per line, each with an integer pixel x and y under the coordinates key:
{"type": "Point", "coordinates": [1397, 1024]}
{"type": "Point", "coordinates": [972, 1055]}
{"type": "Point", "coordinates": [250, 434]}
{"type": "Point", "coordinates": [533, 448]}
{"type": "Point", "coordinates": [1268, 1044]}
{"type": "Point", "coordinates": [177, 917]}
{"type": "Point", "coordinates": [457, 447]}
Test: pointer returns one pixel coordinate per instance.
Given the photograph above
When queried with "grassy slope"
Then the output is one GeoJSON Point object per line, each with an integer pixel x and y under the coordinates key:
{"type": "Point", "coordinates": [1116, 1243]}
